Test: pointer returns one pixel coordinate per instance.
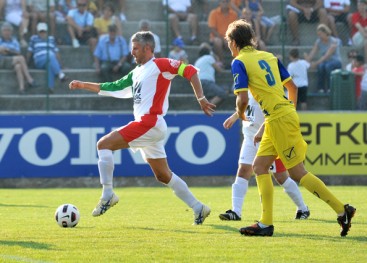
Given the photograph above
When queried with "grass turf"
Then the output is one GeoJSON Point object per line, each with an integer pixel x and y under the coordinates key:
{"type": "Point", "coordinates": [152, 225]}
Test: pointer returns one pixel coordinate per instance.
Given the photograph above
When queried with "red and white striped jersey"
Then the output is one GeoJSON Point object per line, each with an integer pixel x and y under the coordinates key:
{"type": "Point", "coordinates": [149, 85]}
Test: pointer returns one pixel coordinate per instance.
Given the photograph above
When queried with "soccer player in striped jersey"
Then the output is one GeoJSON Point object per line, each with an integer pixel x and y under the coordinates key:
{"type": "Point", "coordinates": [149, 86]}
{"type": "Point", "coordinates": [265, 76]}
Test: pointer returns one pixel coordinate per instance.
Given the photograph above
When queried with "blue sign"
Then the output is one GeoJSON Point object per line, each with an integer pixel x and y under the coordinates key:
{"type": "Point", "coordinates": [64, 145]}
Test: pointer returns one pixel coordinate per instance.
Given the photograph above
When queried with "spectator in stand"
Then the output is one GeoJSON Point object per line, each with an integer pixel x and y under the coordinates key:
{"type": "Point", "coordinates": [107, 18]}
{"type": "Point", "coordinates": [310, 11]}
{"type": "Point", "coordinates": [80, 26]}
{"type": "Point", "coordinates": [144, 25]}
{"type": "Point", "coordinates": [202, 9]}
{"type": "Point", "coordinates": [208, 65]}
{"type": "Point", "coordinates": [38, 13]}
{"type": "Point", "coordinates": [218, 21]}
{"type": "Point", "coordinates": [121, 5]}
{"type": "Point", "coordinates": [237, 6]}
{"type": "Point", "coordinates": [180, 10]}
{"type": "Point", "coordinates": [337, 11]}
{"type": "Point", "coordinates": [178, 52]}
{"type": "Point", "coordinates": [359, 27]}
{"type": "Point", "coordinates": [111, 55]}
{"type": "Point", "coordinates": [358, 70]}
{"type": "Point", "coordinates": [266, 24]}
{"type": "Point", "coordinates": [62, 9]}
{"type": "Point", "coordinates": [45, 53]}
{"type": "Point", "coordinates": [328, 49]}
{"type": "Point", "coordinates": [247, 15]}
{"type": "Point", "coordinates": [10, 57]}
{"type": "Point", "coordinates": [352, 54]}
{"type": "Point", "coordinates": [93, 8]}
{"type": "Point", "coordinates": [298, 69]}
{"type": "Point", "coordinates": [16, 13]}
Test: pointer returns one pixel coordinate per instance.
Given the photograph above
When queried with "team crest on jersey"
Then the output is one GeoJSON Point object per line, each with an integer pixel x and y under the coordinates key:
{"type": "Point", "coordinates": [235, 78]}
{"type": "Point", "coordinates": [289, 153]}
{"type": "Point", "coordinates": [137, 93]}
{"type": "Point", "coordinates": [174, 63]}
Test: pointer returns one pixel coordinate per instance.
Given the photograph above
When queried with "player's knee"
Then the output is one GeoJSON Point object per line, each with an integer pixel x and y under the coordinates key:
{"type": "Point", "coordinates": [163, 177]}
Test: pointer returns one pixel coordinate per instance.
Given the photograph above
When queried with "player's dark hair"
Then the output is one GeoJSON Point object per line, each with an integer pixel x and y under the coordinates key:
{"type": "Point", "coordinates": [242, 33]}
{"type": "Point", "coordinates": [109, 6]}
{"type": "Point", "coordinates": [204, 51]}
{"type": "Point", "coordinates": [145, 38]}
{"type": "Point", "coordinates": [360, 59]}
{"type": "Point", "coordinates": [294, 53]}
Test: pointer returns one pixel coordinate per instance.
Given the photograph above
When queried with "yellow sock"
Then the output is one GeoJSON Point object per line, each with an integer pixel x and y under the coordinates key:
{"type": "Point", "coordinates": [266, 192]}
{"type": "Point", "coordinates": [319, 189]}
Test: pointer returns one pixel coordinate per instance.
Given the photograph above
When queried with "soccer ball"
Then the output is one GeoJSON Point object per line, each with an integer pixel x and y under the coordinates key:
{"type": "Point", "coordinates": [67, 215]}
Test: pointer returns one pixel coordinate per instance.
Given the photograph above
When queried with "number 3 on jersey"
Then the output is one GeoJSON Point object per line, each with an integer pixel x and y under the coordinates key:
{"type": "Point", "coordinates": [269, 76]}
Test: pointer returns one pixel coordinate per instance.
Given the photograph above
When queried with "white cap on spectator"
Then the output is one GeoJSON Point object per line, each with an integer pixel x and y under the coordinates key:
{"type": "Point", "coordinates": [41, 27]}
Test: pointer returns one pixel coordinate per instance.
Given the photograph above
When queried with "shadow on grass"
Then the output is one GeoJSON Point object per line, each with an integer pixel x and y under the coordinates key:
{"type": "Point", "coordinates": [11, 205]}
{"type": "Point", "coordinates": [218, 227]}
{"type": "Point", "coordinates": [335, 238]}
{"type": "Point", "coordinates": [225, 228]}
{"type": "Point", "coordinates": [26, 244]}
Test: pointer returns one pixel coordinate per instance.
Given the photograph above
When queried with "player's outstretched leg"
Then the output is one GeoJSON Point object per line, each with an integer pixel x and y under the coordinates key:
{"type": "Point", "coordinates": [318, 188]}
{"type": "Point", "coordinates": [105, 167]}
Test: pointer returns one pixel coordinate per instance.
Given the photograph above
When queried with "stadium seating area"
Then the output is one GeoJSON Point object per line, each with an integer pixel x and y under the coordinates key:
{"type": "Point", "coordinates": [78, 64]}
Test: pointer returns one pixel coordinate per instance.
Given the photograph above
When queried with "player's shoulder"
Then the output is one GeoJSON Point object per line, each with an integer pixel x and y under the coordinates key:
{"type": "Point", "coordinates": [167, 62]}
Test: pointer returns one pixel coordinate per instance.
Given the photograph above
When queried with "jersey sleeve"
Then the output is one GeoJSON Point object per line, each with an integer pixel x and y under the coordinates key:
{"type": "Point", "coordinates": [122, 88]}
{"type": "Point", "coordinates": [284, 74]}
{"type": "Point", "coordinates": [175, 67]}
{"type": "Point", "coordinates": [240, 77]}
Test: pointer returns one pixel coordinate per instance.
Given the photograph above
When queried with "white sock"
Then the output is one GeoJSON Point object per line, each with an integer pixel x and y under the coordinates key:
{"type": "Point", "coordinates": [182, 191]}
{"type": "Point", "coordinates": [292, 190]}
{"type": "Point", "coordinates": [105, 167]}
{"type": "Point", "coordinates": [239, 190]}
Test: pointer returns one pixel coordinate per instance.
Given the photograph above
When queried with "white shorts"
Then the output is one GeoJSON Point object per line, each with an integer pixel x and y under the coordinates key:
{"type": "Point", "coordinates": [146, 136]}
{"type": "Point", "coordinates": [248, 153]}
{"type": "Point", "coordinates": [14, 17]}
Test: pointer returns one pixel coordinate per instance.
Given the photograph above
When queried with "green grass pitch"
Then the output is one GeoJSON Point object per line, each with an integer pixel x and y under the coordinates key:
{"type": "Point", "coordinates": [152, 225]}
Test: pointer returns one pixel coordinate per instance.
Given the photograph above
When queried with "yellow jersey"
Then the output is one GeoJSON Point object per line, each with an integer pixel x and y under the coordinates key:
{"type": "Point", "coordinates": [264, 75]}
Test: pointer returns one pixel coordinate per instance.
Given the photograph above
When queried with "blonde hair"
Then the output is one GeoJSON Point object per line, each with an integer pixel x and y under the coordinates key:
{"type": "Point", "coordinates": [324, 28]}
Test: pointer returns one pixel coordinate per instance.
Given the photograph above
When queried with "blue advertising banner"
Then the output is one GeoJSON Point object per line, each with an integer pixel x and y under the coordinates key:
{"type": "Point", "coordinates": [64, 145]}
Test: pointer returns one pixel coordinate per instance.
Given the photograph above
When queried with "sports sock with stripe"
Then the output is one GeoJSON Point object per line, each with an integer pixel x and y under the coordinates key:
{"type": "Point", "coordinates": [319, 189]}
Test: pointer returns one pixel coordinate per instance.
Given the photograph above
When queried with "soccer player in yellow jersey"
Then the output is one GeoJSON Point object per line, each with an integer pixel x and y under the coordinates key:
{"type": "Point", "coordinates": [280, 135]}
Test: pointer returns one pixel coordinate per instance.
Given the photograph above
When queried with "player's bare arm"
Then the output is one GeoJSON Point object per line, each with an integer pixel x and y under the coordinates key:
{"type": "Point", "coordinates": [228, 123]}
{"type": "Point", "coordinates": [205, 105]}
{"type": "Point", "coordinates": [259, 134]}
{"type": "Point", "coordinates": [241, 104]}
{"type": "Point", "coordinates": [292, 91]}
{"type": "Point", "coordinates": [90, 86]}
